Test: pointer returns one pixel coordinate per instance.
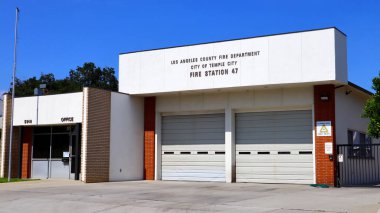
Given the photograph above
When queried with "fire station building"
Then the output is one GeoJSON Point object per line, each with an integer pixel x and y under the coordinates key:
{"type": "Point", "coordinates": [267, 109]}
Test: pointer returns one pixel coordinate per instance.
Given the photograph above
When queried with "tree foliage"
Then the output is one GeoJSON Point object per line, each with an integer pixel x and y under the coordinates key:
{"type": "Point", "coordinates": [372, 110]}
{"type": "Point", "coordinates": [88, 75]}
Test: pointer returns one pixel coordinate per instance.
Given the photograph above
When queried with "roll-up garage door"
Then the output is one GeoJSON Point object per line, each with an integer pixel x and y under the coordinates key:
{"type": "Point", "coordinates": [274, 147]}
{"type": "Point", "coordinates": [193, 147]}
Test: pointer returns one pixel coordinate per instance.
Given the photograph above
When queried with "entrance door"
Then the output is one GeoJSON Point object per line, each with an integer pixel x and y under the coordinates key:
{"type": "Point", "coordinates": [60, 161]}
{"type": "Point", "coordinates": [55, 152]}
{"type": "Point", "coordinates": [41, 155]}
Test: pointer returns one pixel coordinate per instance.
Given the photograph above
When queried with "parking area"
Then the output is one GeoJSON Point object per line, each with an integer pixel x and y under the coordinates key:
{"type": "Point", "coordinates": [159, 196]}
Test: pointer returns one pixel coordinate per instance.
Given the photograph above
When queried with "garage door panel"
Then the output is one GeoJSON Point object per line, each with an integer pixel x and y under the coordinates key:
{"type": "Point", "coordinates": [190, 158]}
{"type": "Point", "coordinates": [274, 147]}
{"type": "Point", "coordinates": [264, 180]}
{"type": "Point", "coordinates": [278, 147]}
{"type": "Point", "coordinates": [192, 136]}
{"type": "Point", "coordinates": [194, 173]}
{"type": "Point", "coordinates": [187, 131]}
{"type": "Point", "coordinates": [191, 167]}
{"type": "Point", "coordinates": [192, 178]}
{"type": "Point", "coordinates": [270, 128]}
{"type": "Point", "coordinates": [276, 164]}
{"type": "Point", "coordinates": [276, 176]}
{"type": "Point", "coordinates": [271, 122]}
{"type": "Point", "coordinates": [203, 125]}
{"type": "Point", "coordinates": [274, 158]}
{"type": "Point", "coordinates": [275, 135]}
{"type": "Point", "coordinates": [193, 163]}
{"type": "Point", "coordinates": [274, 170]}
{"type": "Point", "coordinates": [278, 141]}
{"type": "Point", "coordinates": [193, 147]}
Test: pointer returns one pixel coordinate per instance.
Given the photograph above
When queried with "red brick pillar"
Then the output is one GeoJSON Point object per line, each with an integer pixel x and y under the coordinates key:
{"type": "Point", "coordinates": [26, 158]}
{"type": "Point", "coordinates": [324, 110]}
{"type": "Point", "coordinates": [149, 137]}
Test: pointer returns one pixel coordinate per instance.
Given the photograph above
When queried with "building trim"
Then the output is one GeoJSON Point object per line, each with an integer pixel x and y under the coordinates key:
{"type": "Point", "coordinates": [361, 89]}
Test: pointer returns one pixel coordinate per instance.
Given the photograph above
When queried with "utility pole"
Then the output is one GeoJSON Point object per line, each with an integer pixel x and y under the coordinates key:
{"type": "Point", "coordinates": [13, 97]}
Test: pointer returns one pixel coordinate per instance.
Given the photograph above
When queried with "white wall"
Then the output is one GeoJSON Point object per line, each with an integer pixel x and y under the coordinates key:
{"type": "Point", "coordinates": [348, 111]}
{"type": "Point", "coordinates": [256, 100]}
{"type": "Point", "coordinates": [341, 56]}
{"type": "Point", "coordinates": [49, 109]}
{"type": "Point", "coordinates": [305, 57]}
{"type": "Point", "coordinates": [127, 138]}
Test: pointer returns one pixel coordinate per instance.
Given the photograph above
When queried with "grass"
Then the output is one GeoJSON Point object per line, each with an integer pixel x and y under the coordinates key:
{"type": "Point", "coordinates": [5, 180]}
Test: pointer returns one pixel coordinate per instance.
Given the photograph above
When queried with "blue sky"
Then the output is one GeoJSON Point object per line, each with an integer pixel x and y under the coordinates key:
{"type": "Point", "coordinates": [56, 36]}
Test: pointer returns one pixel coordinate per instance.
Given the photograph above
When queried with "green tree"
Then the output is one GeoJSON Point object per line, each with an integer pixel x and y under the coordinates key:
{"type": "Point", "coordinates": [372, 110]}
{"type": "Point", "coordinates": [93, 76]}
{"type": "Point", "coordinates": [26, 87]}
{"type": "Point", "coordinates": [88, 75]}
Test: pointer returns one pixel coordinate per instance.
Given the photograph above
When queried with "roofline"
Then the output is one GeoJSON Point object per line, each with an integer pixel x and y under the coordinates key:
{"type": "Point", "coordinates": [276, 34]}
{"type": "Point", "coordinates": [359, 88]}
{"type": "Point", "coordinates": [66, 93]}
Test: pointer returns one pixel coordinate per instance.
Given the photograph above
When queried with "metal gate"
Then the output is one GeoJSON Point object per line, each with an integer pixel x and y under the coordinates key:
{"type": "Point", "coordinates": [358, 164]}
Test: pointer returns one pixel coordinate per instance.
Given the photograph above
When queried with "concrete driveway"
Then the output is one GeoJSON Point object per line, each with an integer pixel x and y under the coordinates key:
{"type": "Point", "coordinates": [157, 196]}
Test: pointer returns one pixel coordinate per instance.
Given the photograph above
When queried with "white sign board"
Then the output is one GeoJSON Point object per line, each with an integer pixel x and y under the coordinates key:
{"type": "Point", "coordinates": [340, 158]}
{"type": "Point", "coordinates": [328, 148]}
{"type": "Point", "coordinates": [279, 59]}
{"type": "Point", "coordinates": [48, 109]}
{"type": "Point", "coordinates": [323, 128]}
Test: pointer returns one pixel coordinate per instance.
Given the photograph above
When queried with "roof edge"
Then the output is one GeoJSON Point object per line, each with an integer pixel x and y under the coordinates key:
{"type": "Point", "coordinates": [237, 39]}
{"type": "Point", "coordinates": [359, 88]}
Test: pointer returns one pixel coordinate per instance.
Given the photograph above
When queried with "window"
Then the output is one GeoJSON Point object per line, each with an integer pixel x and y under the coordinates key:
{"type": "Point", "coordinates": [360, 144]}
{"type": "Point", "coordinates": [41, 146]}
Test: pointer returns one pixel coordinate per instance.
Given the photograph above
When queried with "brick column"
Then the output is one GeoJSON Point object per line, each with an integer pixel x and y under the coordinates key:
{"type": "Point", "coordinates": [26, 156]}
{"type": "Point", "coordinates": [7, 105]}
{"type": "Point", "coordinates": [149, 137]}
{"type": "Point", "coordinates": [96, 135]}
{"type": "Point", "coordinates": [324, 110]}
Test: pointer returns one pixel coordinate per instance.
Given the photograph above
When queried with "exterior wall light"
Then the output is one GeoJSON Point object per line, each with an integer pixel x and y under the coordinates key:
{"type": "Point", "coordinates": [324, 98]}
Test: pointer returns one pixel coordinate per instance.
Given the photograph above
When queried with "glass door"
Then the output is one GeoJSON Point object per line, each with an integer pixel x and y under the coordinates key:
{"type": "Point", "coordinates": [55, 152]}
{"type": "Point", "coordinates": [59, 163]}
{"type": "Point", "coordinates": [41, 156]}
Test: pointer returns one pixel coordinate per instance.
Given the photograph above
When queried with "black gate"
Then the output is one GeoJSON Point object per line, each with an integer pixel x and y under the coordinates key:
{"type": "Point", "coordinates": [358, 165]}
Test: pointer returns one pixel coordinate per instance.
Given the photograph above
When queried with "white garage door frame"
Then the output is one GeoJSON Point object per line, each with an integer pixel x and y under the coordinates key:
{"type": "Point", "coordinates": [295, 108]}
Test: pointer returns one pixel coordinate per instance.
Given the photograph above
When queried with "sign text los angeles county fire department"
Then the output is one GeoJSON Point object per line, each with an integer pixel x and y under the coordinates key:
{"type": "Point", "coordinates": [207, 66]}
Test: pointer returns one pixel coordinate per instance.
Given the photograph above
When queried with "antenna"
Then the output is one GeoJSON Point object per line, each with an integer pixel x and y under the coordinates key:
{"type": "Point", "coordinates": [13, 97]}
